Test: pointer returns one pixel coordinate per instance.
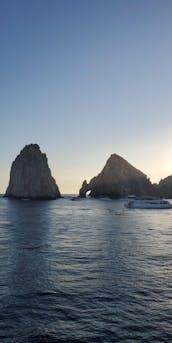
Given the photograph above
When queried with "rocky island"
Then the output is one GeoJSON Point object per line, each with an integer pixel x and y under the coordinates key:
{"type": "Point", "coordinates": [30, 176]}
{"type": "Point", "coordinates": [117, 179]}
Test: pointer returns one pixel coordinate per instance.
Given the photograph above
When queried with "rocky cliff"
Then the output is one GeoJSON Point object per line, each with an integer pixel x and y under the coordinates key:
{"type": "Point", "coordinates": [117, 179]}
{"type": "Point", "coordinates": [30, 176]}
{"type": "Point", "coordinates": [165, 187]}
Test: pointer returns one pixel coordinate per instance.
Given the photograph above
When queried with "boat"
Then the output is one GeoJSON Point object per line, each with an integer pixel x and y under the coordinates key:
{"type": "Point", "coordinates": [149, 204]}
{"type": "Point", "coordinates": [76, 198]}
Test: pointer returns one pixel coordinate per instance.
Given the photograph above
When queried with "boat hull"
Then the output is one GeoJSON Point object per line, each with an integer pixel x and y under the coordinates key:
{"type": "Point", "coordinates": [149, 204]}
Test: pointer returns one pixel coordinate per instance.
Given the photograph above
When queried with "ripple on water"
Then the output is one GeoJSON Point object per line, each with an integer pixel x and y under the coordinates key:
{"type": "Point", "coordinates": [84, 271]}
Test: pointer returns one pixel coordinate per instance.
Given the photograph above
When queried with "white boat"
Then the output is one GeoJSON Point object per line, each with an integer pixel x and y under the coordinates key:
{"type": "Point", "coordinates": [149, 204]}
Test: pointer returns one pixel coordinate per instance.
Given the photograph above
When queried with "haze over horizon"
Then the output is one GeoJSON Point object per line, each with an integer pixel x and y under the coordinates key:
{"type": "Point", "coordinates": [85, 79]}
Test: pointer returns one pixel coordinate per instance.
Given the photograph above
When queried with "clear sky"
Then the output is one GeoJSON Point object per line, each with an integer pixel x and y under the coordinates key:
{"type": "Point", "coordinates": [85, 79]}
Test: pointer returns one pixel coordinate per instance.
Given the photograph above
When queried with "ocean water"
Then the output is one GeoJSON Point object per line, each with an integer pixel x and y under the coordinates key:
{"type": "Point", "coordinates": [84, 271]}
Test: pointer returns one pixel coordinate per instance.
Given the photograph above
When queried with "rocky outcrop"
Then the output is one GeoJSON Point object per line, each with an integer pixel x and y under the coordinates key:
{"type": "Point", "coordinates": [84, 189]}
{"type": "Point", "coordinates": [118, 179]}
{"type": "Point", "coordinates": [30, 176]}
{"type": "Point", "coordinates": [165, 187]}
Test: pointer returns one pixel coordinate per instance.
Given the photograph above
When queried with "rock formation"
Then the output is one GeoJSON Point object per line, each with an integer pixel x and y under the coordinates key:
{"type": "Point", "coordinates": [84, 189]}
{"type": "Point", "coordinates": [165, 187]}
{"type": "Point", "coordinates": [117, 179]}
{"type": "Point", "coordinates": [30, 176]}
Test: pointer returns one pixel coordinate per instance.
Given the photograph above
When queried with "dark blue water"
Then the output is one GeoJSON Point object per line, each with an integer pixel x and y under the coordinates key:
{"type": "Point", "coordinates": [84, 271]}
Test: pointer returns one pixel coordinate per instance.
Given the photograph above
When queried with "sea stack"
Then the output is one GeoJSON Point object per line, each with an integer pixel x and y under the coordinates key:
{"type": "Point", "coordinates": [117, 179]}
{"type": "Point", "coordinates": [30, 176]}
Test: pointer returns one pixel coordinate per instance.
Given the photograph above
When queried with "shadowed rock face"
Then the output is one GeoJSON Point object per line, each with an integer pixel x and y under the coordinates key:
{"type": "Point", "coordinates": [118, 179]}
{"type": "Point", "coordinates": [30, 176]}
{"type": "Point", "coordinates": [165, 187]}
{"type": "Point", "coordinates": [84, 188]}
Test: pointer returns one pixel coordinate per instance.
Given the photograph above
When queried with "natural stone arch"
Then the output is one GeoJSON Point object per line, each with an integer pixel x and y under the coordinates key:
{"type": "Point", "coordinates": [85, 188]}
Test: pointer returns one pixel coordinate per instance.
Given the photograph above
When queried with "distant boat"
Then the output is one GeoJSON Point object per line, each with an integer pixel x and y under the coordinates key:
{"type": "Point", "coordinates": [130, 196]}
{"type": "Point", "coordinates": [149, 204]}
{"type": "Point", "coordinates": [75, 198]}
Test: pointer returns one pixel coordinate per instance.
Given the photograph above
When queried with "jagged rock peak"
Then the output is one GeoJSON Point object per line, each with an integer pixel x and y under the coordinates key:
{"type": "Point", "coordinates": [117, 179]}
{"type": "Point", "coordinates": [30, 176]}
{"type": "Point", "coordinates": [116, 166]}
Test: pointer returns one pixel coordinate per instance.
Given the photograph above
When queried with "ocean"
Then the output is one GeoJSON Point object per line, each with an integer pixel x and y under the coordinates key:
{"type": "Point", "coordinates": [84, 271]}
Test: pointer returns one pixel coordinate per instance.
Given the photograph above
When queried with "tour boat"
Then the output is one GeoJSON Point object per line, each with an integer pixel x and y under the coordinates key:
{"type": "Point", "coordinates": [149, 203]}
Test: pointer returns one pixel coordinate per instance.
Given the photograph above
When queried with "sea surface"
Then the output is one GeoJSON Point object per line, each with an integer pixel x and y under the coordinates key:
{"type": "Point", "coordinates": [84, 271]}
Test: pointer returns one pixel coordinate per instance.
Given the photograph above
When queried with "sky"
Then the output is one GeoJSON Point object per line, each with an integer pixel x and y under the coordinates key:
{"type": "Point", "coordinates": [85, 79]}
